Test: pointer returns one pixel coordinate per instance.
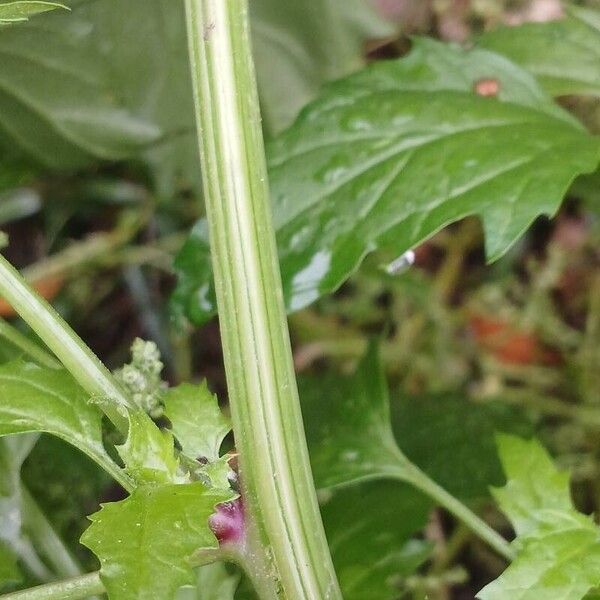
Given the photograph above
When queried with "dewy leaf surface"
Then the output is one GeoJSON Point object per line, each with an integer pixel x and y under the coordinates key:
{"type": "Point", "coordinates": [36, 399]}
{"type": "Point", "coordinates": [15, 12]}
{"type": "Point", "coordinates": [564, 55]}
{"type": "Point", "coordinates": [145, 542]}
{"type": "Point", "coordinates": [390, 155]}
{"type": "Point", "coordinates": [197, 421]}
{"type": "Point", "coordinates": [558, 548]}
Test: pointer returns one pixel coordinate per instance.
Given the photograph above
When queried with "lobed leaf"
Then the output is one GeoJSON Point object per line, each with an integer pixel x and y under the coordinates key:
{"type": "Point", "coordinates": [145, 542]}
{"type": "Point", "coordinates": [563, 55]}
{"type": "Point", "coordinates": [197, 421]}
{"type": "Point", "coordinates": [558, 547]}
{"type": "Point", "coordinates": [394, 153]}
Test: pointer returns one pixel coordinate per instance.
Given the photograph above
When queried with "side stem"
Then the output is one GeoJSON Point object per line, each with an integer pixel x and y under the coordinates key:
{"type": "Point", "coordinates": [83, 586]}
{"type": "Point", "coordinates": [274, 465]}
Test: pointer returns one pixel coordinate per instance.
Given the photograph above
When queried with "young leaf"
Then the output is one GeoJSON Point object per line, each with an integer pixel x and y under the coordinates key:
{"type": "Point", "coordinates": [558, 547]}
{"type": "Point", "coordinates": [370, 531]}
{"type": "Point", "coordinates": [198, 423]}
{"type": "Point", "coordinates": [390, 155]}
{"type": "Point", "coordinates": [149, 453]}
{"type": "Point", "coordinates": [145, 542]}
{"type": "Point", "coordinates": [16, 12]}
{"type": "Point", "coordinates": [564, 55]}
{"type": "Point", "coordinates": [36, 399]}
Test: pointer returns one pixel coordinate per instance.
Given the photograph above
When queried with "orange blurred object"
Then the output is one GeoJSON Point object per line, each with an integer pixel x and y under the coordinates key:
{"type": "Point", "coordinates": [509, 345]}
{"type": "Point", "coordinates": [48, 288]}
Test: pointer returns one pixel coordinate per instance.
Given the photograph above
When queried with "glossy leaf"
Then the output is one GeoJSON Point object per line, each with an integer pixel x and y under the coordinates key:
{"type": "Point", "coordinates": [299, 46]}
{"type": "Point", "coordinates": [16, 12]}
{"type": "Point", "coordinates": [390, 155]}
{"type": "Point", "coordinates": [348, 426]}
{"type": "Point", "coordinates": [55, 104]}
{"type": "Point", "coordinates": [558, 547]}
{"type": "Point", "coordinates": [36, 399]}
{"type": "Point", "coordinates": [564, 55]}
{"type": "Point", "coordinates": [148, 452]}
{"type": "Point", "coordinates": [197, 421]}
{"type": "Point", "coordinates": [145, 542]}
{"type": "Point", "coordinates": [370, 531]}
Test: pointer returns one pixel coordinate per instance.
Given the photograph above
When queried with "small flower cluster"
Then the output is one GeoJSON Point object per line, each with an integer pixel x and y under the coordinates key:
{"type": "Point", "coordinates": [141, 377]}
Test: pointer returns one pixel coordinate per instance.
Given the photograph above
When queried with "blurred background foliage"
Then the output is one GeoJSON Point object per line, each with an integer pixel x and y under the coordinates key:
{"type": "Point", "coordinates": [99, 186]}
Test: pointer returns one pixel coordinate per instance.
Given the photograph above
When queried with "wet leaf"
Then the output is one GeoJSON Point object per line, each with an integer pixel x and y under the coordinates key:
{"type": "Point", "coordinates": [558, 548]}
{"type": "Point", "coordinates": [394, 153]}
{"type": "Point", "coordinates": [145, 542]}
{"type": "Point", "coordinates": [563, 55]}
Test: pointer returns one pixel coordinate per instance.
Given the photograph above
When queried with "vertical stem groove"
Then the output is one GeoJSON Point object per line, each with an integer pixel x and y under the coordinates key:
{"type": "Point", "coordinates": [274, 464]}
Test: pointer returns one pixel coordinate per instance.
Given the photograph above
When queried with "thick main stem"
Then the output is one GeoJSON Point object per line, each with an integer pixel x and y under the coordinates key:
{"type": "Point", "coordinates": [275, 468]}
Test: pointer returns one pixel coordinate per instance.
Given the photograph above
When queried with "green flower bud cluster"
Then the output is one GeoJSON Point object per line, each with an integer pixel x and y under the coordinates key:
{"type": "Point", "coordinates": [141, 377]}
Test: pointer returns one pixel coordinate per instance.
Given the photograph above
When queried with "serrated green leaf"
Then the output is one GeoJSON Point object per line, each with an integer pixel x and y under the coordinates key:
{"type": "Point", "coordinates": [563, 55]}
{"type": "Point", "coordinates": [348, 426]}
{"type": "Point", "coordinates": [56, 106]}
{"type": "Point", "coordinates": [36, 399]}
{"type": "Point", "coordinates": [390, 155]}
{"type": "Point", "coordinates": [558, 548]}
{"type": "Point", "coordinates": [197, 421]}
{"type": "Point", "coordinates": [15, 12]}
{"type": "Point", "coordinates": [145, 542]}
{"type": "Point", "coordinates": [148, 452]}
{"type": "Point", "coordinates": [370, 531]}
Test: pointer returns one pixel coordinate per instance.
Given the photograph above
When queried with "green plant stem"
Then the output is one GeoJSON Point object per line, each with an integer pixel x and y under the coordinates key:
{"type": "Point", "coordinates": [275, 471]}
{"type": "Point", "coordinates": [45, 539]}
{"type": "Point", "coordinates": [83, 586]}
{"type": "Point", "coordinates": [67, 346]}
{"type": "Point", "coordinates": [413, 475]}
{"type": "Point", "coordinates": [16, 338]}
